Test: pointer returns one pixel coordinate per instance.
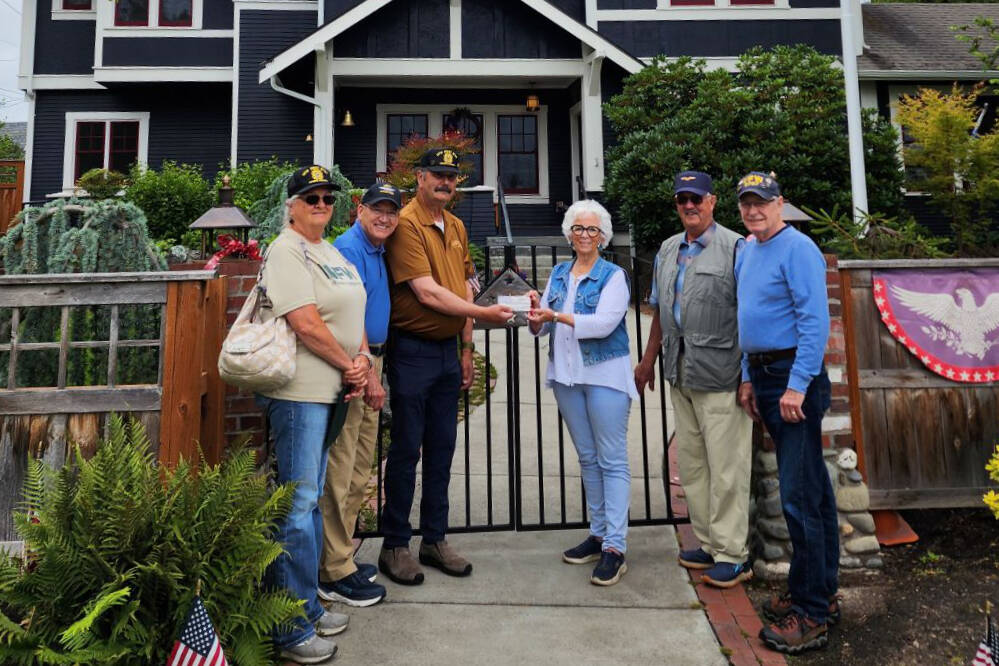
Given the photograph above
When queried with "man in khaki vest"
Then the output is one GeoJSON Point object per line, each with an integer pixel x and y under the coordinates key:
{"type": "Point", "coordinates": [694, 288]}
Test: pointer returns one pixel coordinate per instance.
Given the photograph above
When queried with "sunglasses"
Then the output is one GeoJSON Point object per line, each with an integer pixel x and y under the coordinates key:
{"type": "Point", "coordinates": [313, 199]}
{"type": "Point", "coordinates": [684, 198]}
{"type": "Point", "coordinates": [579, 230]}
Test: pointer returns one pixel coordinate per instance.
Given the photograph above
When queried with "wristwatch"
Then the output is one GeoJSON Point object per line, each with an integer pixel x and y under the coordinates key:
{"type": "Point", "coordinates": [468, 345]}
{"type": "Point", "coordinates": [367, 355]}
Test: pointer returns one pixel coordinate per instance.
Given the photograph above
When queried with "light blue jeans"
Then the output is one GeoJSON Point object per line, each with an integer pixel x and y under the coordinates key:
{"type": "Point", "coordinates": [597, 418]}
{"type": "Point", "coordinates": [299, 433]}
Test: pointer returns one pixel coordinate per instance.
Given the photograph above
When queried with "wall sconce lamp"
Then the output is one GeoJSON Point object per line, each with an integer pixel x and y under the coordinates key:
{"type": "Point", "coordinates": [533, 103]}
{"type": "Point", "coordinates": [348, 120]}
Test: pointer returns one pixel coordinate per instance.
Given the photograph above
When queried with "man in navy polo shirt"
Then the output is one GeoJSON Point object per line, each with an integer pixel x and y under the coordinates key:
{"type": "Point", "coordinates": [349, 466]}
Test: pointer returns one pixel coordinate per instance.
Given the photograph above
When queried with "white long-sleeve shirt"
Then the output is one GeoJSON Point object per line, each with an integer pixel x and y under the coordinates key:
{"type": "Point", "coordinates": [566, 365]}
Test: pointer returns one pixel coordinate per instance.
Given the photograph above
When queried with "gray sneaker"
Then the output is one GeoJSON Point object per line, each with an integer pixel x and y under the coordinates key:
{"type": "Point", "coordinates": [331, 624]}
{"type": "Point", "coordinates": [313, 650]}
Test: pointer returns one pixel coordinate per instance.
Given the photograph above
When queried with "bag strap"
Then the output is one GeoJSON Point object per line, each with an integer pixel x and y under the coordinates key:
{"type": "Point", "coordinates": [260, 288]}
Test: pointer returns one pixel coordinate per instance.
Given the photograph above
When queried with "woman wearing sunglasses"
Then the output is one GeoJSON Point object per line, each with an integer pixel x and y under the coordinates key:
{"type": "Point", "coordinates": [320, 294]}
{"type": "Point", "coordinates": [589, 369]}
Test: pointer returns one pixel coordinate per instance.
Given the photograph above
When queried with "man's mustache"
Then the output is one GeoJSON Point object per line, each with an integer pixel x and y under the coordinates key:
{"type": "Point", "coordinates": [443, 188]}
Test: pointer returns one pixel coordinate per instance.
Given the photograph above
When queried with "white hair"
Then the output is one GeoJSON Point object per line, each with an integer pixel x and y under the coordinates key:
{"type": "Point", "coordinates": [286, 217]}
{"type": "Point", "coordinates": [588, 207]}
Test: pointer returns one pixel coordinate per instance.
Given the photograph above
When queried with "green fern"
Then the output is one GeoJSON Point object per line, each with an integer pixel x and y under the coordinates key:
{"type": "Point", "coordinates": [115, 549]}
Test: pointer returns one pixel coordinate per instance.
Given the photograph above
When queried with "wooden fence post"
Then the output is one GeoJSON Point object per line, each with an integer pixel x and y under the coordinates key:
{"type": "Point", "coordinates": [213, 406]}
{"type": "Point", "coordinates": [183, 383]}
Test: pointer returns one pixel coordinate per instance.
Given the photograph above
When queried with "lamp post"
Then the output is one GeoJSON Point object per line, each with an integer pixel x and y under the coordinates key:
{"type": "Point", "coordinates": [226, 215]}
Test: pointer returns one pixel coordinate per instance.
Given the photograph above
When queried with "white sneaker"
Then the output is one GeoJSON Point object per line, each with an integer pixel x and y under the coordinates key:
{"type": "Point", "coordinates": [331, 624]}
{"type": "Point", "coordinates": [313, 650]}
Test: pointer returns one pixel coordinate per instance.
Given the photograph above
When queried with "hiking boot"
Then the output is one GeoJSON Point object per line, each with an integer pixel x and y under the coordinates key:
{"type": "Point", "coordinates": [588, 551]}
{"type": "Point", "coordinates": [779, 606]}
{"type": "Point", "coordinates": [353, 590]}
{"type": "Point", "coordinates": [610, 569]}
{"type": "Point", "coordinates": [368, 571]}
{"type": "Point", "coordinates": [794, 634]}
{"type": "Point", "coordinates": [695, 558]}
{"type": "Point", "coordinates": [331, 624]}
{"type": "Point", "coordinates": [313, 650]}
{"type": "Point", "coordinates": [442, 556]}
{"type": "Point", "coordinates": [726, 574]}
{"type": "Point", "coordinates": [400, 566]}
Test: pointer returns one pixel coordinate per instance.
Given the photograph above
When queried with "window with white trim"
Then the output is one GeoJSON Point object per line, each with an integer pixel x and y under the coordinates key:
{"type": "Point", "coordinates": [165, 13]}
{"type": "Point", "coordinates": [113, 141]}
{"type": "Point", "coordinates": [403, 126]}
{"type": "Point", "coordinates": [470, 126]}
{"type": "Point", "coordinates": [77, 5]}
{"type": "Point", "coordinates": [517, 138]}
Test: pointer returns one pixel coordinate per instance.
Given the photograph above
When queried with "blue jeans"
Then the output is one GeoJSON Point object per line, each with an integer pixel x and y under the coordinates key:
{"type": "Point", "coordinates": [597, 418]}
{"type": "Point", "coordinates": [424, 379]}
{"type": "Point", "coordinates": [805, 489]}
{"type": "Point", "coordinates": [300, 436]}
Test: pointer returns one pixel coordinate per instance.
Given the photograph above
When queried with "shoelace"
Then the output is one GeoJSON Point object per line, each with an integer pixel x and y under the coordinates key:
{"type": "Point", "coordinates": [788, 621]}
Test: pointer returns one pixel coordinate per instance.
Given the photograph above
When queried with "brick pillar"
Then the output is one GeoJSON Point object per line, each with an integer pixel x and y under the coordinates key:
{"type": "Point", "coordinates": [836, 427]}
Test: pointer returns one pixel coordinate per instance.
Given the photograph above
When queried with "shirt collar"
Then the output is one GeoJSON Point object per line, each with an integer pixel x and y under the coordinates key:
{"type": "Point", "coordinates": [703, 240]}
{"type": "Point", "coordinates": [366, 243]}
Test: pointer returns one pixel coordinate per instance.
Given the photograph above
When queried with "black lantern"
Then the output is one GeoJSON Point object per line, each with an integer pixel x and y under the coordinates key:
{"type": "Point", "coordinates": [225, 216]}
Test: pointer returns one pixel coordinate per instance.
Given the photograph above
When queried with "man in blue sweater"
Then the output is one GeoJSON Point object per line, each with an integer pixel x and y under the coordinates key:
{"type": "Point", "coordinates": [783, 329]}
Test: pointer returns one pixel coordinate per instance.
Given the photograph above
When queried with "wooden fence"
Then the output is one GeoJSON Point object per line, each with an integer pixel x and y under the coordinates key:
{"type": "Point", "coordinates": [11, 191]}
{"type": "Point", "coordinates": [922, 440]}
{"type": "Point", "coordinates": [181, 405]}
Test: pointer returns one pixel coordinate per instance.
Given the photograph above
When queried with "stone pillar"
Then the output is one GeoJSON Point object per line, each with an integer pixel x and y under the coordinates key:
{"type": "Point", "coordinates": [769, 541]}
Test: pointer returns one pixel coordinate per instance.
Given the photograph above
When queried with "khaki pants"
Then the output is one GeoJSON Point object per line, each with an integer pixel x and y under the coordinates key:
{"type": "Point", "coordinates": [348, 469]}
{"type": "Point", "coordinates": [714, 456]}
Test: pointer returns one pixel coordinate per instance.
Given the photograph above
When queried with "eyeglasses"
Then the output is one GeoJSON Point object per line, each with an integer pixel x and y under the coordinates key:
{"type": "Point", "coordinates": [313, 199]}
{"type": "Point", "coordinates": [685, 197]}
{"type": "Point", "coordinates": [579, 230]}
{"type": "Point", "coordinates": [749, 204]}
{"type": "Point", "coordinates": [377, 212]}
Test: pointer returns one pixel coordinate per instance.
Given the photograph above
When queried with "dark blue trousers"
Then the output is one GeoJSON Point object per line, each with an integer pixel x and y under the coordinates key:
{"type": "Point", "coordinates": [424, 381]}
{"type": "Point", "coordinates": [805, 490]}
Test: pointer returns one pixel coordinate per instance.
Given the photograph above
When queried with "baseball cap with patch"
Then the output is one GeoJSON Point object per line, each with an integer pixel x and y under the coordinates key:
{"type": "Point", "coordinates": [759, 183]}
{"type": "Point", "coordinates": [309, 178]}
{"type": "Point", "coordinates": [382, 192]}
{"type": "Point", "coordinates": [441, 160]}
{"type": "Point", "coordinates": [693, 181]}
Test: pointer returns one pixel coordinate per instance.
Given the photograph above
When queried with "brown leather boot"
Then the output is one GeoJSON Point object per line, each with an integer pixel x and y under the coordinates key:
{"type": "Point", "coordinates": [400, 566]}
{"type": "Point", "coordinates": [795, 633]}
{"type": "Point", "coordinates": [442, 556]}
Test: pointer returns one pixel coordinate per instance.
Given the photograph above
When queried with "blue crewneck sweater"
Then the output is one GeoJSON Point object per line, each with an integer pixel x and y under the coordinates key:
{"type": "Point", "coordinates": [783, 302]}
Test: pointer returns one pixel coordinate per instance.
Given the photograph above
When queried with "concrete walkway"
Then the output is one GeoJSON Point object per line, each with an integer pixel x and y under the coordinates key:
{"type": "Point", "coordinates": [522, 605]}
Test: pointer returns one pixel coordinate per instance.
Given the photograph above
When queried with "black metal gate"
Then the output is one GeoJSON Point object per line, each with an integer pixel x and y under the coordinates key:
{"type": "Point", "coordinates": [515, 467]}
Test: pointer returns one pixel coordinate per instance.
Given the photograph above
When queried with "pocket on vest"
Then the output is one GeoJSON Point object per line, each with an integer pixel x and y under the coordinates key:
{"type": "Point", "coordinates": [713, 340]}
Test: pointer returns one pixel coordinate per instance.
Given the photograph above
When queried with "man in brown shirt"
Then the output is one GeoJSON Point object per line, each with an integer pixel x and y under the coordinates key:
{"type": "Point", "coordinates": [431, 305]}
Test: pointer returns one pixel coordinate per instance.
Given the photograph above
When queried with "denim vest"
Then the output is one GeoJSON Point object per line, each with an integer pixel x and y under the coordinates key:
{"type": "Point", "coordinates": [587, 296]}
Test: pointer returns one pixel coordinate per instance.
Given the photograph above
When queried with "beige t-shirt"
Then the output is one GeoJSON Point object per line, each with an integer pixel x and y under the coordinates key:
{"type": "Point", "coordinates": [331, 283]}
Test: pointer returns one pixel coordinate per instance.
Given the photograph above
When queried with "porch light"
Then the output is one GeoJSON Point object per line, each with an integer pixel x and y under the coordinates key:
{"type": "Point", "coordinates": [348, 120]}
{"type": "Point", "coordinates": [533, 103]}
{"type": "Point", "coordinates": [224, 216]}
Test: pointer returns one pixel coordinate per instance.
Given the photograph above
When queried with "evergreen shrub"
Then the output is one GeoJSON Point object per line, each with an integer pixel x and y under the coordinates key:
{"type": "Point", "coordinates": [117, 547]}
{"type": "Point", "coordinates": [250, 180]}
{"type": "Point", "coordinates": [101, 183]}
{"type": "Point", "coordinates": [172, 198]}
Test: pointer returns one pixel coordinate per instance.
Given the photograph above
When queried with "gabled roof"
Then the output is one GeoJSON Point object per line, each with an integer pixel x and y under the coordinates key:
{"type": "Point", "coordinates": [916, 40]}
{"type": "Point", "coordinates": [319, 39]}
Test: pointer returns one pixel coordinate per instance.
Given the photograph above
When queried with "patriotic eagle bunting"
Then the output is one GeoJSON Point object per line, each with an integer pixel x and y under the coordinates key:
{"type": "Point", "coordinates": [949, 320]}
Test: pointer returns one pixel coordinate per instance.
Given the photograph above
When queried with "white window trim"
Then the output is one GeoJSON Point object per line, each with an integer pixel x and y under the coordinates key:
{"type": "Point", "coordinates": [105, 21]}
{"type": "Point", "coordinates": [490, 163]}
{"type": "Point", "coordinates": [69, 146]}
{"type": "Point", "coordinates": [60, 14]}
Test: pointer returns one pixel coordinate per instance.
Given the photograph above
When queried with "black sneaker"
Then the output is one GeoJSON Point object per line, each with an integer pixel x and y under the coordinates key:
{"type": "Point", "coordinates": [368, 571]}
{"type": "Point", "coordinates": [353, 590]}
{"type": "Point", "coordinates": [610, 569]}
{"type": "Point", "coordinates": [695, 558]}
{"type": "Point", "coordinates": [588, 551]}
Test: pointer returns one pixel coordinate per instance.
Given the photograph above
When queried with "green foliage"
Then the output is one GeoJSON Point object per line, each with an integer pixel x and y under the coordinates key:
{"type": "Point", "coordinates": [268, 212]}
{"type": "Point", "coordinates": [81, 236]}
{"type": "Point", "coordinates": [250, 180]}
{"type": "Point", "coordinates": [982, 38]}
{"type": "Point", "coordinates": [9, 150]}
{"type": "Point", "coordinates": [958, 169]}
{"type": "Point", "coordinates": [875, 237]}
{"type": "Point", "coordinates": [402, 163]}
{"type": "Point", "coordinates": [991, 498]}
{"type": "Point", "coordinates": [172, 198]}
{"type": "Point", "coordinates": [116, 548]}
{"type": "Point", "coordinates": [783, 110]}
{"type": "Point", "coordinates": [478, 256]}
{"type": "Point", "coordinates": [101, 183]}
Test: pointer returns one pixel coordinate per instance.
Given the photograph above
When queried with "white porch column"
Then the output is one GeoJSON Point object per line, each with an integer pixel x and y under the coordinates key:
{"type": "Point", "coordinates": [324, 110]}
{"type": "Point", "coordinates": [592, 121]}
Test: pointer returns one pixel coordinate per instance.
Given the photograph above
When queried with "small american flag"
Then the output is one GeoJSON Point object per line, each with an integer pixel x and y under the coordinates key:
{"type": "Point", "coordinates": [198, 644]}
{"type": "Point", "coordinates": [988, 649]}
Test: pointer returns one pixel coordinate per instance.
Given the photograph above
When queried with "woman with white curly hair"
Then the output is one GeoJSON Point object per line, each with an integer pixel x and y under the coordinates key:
{"type": "Point", "coordinates": [589, 369]}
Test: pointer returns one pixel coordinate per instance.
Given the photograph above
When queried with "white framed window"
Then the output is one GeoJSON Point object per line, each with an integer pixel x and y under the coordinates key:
{"type": "Point", "coordinates": [73, 10]}
{"type": "Point", "coordinates": [525, 149]}
{"type": "Point", "coordinates": [149, 17]}
{"type": "Point", "coordinates": [105, 140]}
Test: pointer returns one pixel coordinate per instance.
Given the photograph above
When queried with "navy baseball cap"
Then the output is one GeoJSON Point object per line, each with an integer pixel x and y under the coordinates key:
{"type": "Point", "coordinates": [309, 178]}
{"type": "Point", "coordinates": [763, 184]}
{"type": "Point", "coordinates": [693, 181]}
{"type": "Point", "coordinates": [382, 192]}
{"type": "Point", "coordinates": [440, 160]}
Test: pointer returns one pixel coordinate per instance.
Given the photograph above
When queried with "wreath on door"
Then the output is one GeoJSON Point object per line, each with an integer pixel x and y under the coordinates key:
{"type": "Point", "coordinates": [463, 117]}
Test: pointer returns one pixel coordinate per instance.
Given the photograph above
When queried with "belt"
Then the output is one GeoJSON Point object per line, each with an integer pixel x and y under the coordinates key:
{"type": "Point", "coordinates": [768, 357]}
{"type": "Point", "coordinates": [377, 350]}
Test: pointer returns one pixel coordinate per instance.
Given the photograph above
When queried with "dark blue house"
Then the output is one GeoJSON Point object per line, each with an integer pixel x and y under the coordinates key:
{"type": "Point", "coordinates": [214, 81]}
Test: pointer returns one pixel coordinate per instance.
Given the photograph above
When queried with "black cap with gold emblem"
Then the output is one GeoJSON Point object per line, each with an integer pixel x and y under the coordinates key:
{"type": "Point", "coordinates": [309, 178]}
{"type": "Point", "coordinates": [382, 192]}
{"type": "Point", "coordinates": [440, 160]}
